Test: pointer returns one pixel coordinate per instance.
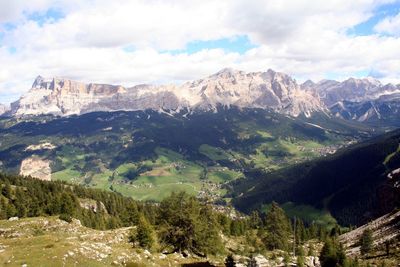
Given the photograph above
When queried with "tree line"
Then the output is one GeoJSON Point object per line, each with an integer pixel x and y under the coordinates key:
{"type": "Point", "coordinates": [180, 223]}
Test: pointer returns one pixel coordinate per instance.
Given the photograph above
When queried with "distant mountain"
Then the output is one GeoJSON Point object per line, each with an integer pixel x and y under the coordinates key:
{"type": "Point", "coordinates": [365, 100]}
{"type": "Point", "coordinates": [384, 110]}
{"type": "Point", "coordinates": [353, 90]}
{"type": "Point", "coordinates": [267, 90]}
{"type": "Point", "coordinates": [355, 185]}
{"type": "Point", "coordinates": [3, 109]}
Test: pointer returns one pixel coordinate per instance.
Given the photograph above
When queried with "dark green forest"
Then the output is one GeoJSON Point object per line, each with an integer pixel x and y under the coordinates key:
{"type": "Point", "coordinates": [352, 184]}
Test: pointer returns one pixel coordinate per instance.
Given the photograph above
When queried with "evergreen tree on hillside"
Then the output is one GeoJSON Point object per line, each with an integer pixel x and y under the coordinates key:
{"type": "Point", "coordinates": [252, 262]}
{"type": "Point", "coordinates": [366, 242]}
{"type": "Point", "coordinates": [186, 225]}
{"type": "Point", "coordinates": [277, 228]}
{"type": "Point", "coordinates": [332, 254]}
{"type": "Point", "coordinates": [6, 190]}
{"type": "Point", "coordinates": [145, 233]}
{"type": "Point", "coordinates": [20, 203]}
{"type": "Point", "coordinates": [255, 220]}
{"type": "Point", "coordinates": [229, 261]}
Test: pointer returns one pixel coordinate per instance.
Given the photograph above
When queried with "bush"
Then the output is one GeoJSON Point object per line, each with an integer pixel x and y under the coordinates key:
{"type": "Point", "coordinates": [65, 217]}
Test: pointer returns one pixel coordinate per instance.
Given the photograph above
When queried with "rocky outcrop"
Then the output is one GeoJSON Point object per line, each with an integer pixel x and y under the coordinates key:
{"type": "Point", "coordinates": [384, 229]}
{"type": "Point", "coordinates": [36, 167]}
{"type": "Point", "coordinates": [267, 90]}
{"type": "Point", "coordinates": [384, 108]}
{"type": "Point", "coordinates": [3, 109]}
{"type": "Point", "coordinates": [354, 90]}
{"type": "Point", "coordinates": [364, 100]}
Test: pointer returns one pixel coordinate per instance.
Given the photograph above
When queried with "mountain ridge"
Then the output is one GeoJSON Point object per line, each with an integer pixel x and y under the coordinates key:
{"type": "Point", "coordinates": [228, 87]}
{"type": "Point", "coordinates": [365, 100]}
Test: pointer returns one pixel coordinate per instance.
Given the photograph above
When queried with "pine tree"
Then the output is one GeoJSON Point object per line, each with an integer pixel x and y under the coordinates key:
{"type": "Point", "coordinates": [6, 190]}
{"type": "Point", "coordinates": [252, 262]}
{"type": "Point", "coordinates": [3, 208]}
{"type": "Point", "coordinates": [229, 261]}
{"type": "Point", "coordinates": [301, 234]}
{"type": "Point", "coordinates": [145, 233]}
{"type": "Point", "coordinates": [255, 220]}
{"type": "Point", "coordinates": [277, 228]}
{"type": "Point", "coordinates": [332, 254]}
{"type": "Point", "coordinates": [20, 203]}
{"type": "Point", "coordinates": [300, 261]}
{"type": "Point", "coordinates": [366, 242]}
{"type": "Point", "coordinates": [186, 225]}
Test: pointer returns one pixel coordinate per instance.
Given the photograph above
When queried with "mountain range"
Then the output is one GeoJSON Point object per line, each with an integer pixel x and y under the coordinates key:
{"type": "Point", "coordinates": [198, 136]}
{"type": "Point", "coordinates": [365, 100]}
{"type": "Point", "coordinates": [272, 90]}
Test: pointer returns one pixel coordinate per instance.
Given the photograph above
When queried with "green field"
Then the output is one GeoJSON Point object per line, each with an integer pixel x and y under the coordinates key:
{"type": "Point", "coordinates": [147, 155]}
{"type": "Point", "coordinates": [307, 213]}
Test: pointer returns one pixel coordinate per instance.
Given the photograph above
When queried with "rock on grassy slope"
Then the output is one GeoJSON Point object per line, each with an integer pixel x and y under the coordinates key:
{"type": "Point", "coordinates": [386, 230]}
{"type": "Point", "coordinates": [49, 241]}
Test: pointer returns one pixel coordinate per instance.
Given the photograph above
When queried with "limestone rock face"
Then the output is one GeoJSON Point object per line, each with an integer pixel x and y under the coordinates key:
{"type": "Point", "coordinates": [351, 90]}
{"type": "Point", "coordinates": [364, 100]}
{"type": "Point", "coordinates": [268, 90]}
{"type": "Point", "coordinates": [3, 109]}
{"type": "Point", "coordinates": [36, 167]}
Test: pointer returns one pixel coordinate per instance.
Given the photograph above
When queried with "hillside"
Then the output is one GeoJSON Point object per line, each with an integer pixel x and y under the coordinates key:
{"type": "Point", "coordinates": [49, 241]}
{"type": "Point", "coordinates": [47, 223]}
{"type": "Point", "coordinates": [353, 185]}
{"type": "Point", "coordinates": [386, 240]}
{"type": "Point", "coordinates": [147, 155]}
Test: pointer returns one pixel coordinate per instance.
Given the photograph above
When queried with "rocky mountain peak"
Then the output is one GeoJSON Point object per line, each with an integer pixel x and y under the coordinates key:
{"type": "Point", "coordinates": [227, 72]}
{"type": "Point", "coordinates": [228, 87]}
{"type": "Point", "coordinates": [3, 109]}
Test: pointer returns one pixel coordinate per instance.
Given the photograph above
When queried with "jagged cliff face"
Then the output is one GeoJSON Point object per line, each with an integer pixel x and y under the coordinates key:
{"type": "Point", "coordinates": [268, 90]}
{"type": "Point", "coordinates": [3, 109]}
{"type": "Point", "coordinates": [353, 99]}
{"type": "Point", "coordinates": [364, 100]}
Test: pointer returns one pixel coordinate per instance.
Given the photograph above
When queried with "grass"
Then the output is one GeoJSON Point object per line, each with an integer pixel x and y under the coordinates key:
{"type": "Point", "coordinates": [221, 175]}
{"type": "Point", "coordinates": [306, 213]}
{"type": "Point", "coordinates": [388, 157]}
{"type": "Point", "coordinates": [47, 249]}
{"type": "Point", "coordinates": [277, 153]}
{"type": "Point", "coordinates": [67, 175]}
{"type": "Point", "coordinates": [156, 193]}
{"type": "Point", "coordinates": [61, 244]}
{"type": "Point", "coordinates": [214, 153]}
{"type": "Point", "coordinates": [169, 172]}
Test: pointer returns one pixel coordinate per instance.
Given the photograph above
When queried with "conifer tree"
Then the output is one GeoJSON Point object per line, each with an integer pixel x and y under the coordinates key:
{"type": "Point", "coordinates": [332, 254]}
{"type": "Point", "coordinates": [366, 242]}
{"type": "Point", "coordinates": [145, 233]}
{"type": "Point", "coordinates": [186, 225]}
{"type": "Point", "coordinates": [277, 228]}
{"type": "Point", "coordinates": [252, 262]}
{"type": "Point", "coordinates": [6, 190]}
{"type": "Point", "coordinates": [229, 261]}
{"type": "Point", "coordinates": [255, 220]}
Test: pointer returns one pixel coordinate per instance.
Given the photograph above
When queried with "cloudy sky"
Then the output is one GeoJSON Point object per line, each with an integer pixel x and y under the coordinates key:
{"type": "Point", "coordinates": [170, 41]}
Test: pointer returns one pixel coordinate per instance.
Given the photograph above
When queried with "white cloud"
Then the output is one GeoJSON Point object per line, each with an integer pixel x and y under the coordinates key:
{"type": "Point", "coordinates": [304, 38]}
{"type": "Point", "coordinates": [390, 25]}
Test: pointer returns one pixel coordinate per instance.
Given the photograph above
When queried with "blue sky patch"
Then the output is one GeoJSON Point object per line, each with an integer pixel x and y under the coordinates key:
{"type": "Point", "coordinates": [238, 44]}
{"type": "Point", "coordinates": [44, 17]}
{"type": "Point", "coordinates": [367, 27]}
